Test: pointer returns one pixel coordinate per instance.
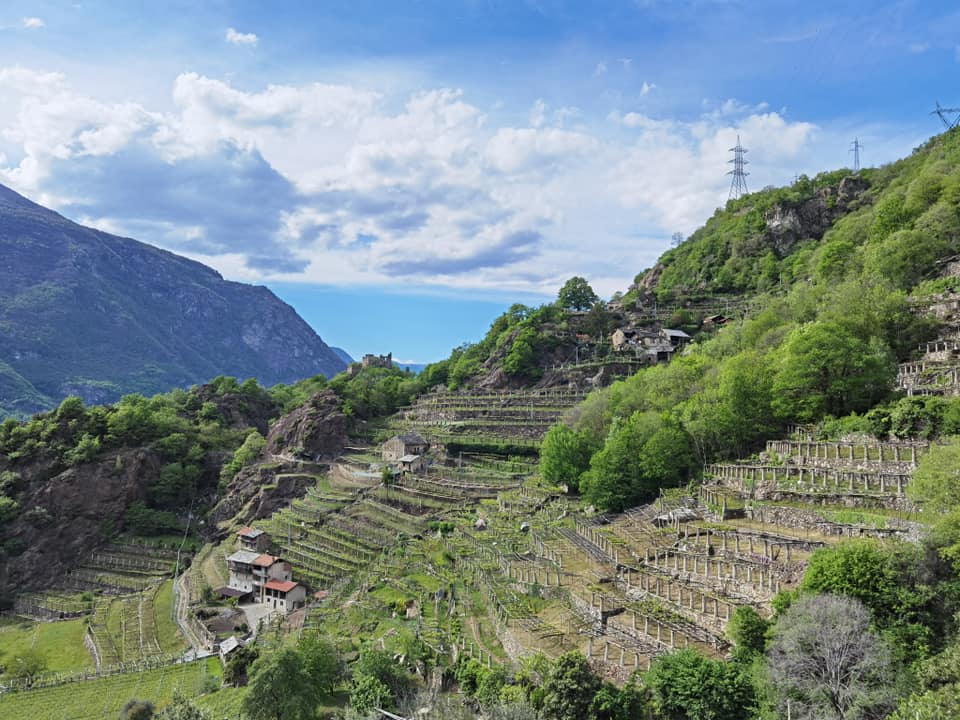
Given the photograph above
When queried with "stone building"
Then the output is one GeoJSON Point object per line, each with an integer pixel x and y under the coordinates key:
{"type": "Point", "coordinates": [253, 539]}
{"type": "Point", "coordinates": [377, 361]}
{"type": "Point", "coordinates": [400, 446]}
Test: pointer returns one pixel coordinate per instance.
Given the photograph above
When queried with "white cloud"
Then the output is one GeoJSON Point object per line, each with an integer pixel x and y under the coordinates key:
{"type": "Point", "coordinates": [647, 88]}
{"type": "Point", "coordinates": [600, 69]}
{"type": "Point", "coordinates": [513, 150]}
{"type": "Point", "coordinates": [626, 62]}
{"type": "Point", "coordinates": [33, 23]}
{"type": "Point", "coordinates": [918, 48]}
{"type": "Point", "coordinates": [339, 183]}
{"type": "Point", "coordinates": [234, 37]}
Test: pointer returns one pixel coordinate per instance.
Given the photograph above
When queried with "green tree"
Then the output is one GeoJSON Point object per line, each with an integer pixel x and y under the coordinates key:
{"type": "Point", "coordinates": [615, 479]}
{"type": "Point", "coordinates": [368, 692]}
{"type": "Point", "coordinates": [613, 703]}
{"type": "Point", "coordinates": [249, 451]}
{"type": "Point", "coordinates": [181, 709]}
{"type": "Point", "coordinates": [71, 408]}
{"type": "Point", "coordinates": [569, 688]}
{"type": "Point", "coordinates": [137, 710]}
{"type": "Point", "coordinates": [521, 361]}
{"type": "Point", "coordinates": [748, 629]}
{"type": "Point", "coordinates": [824, 369]}
{"type": "Point", "coordinates": [9, 508]}
{"type": "Point", "coordinates": [687, 686]}
{"type": "Point", "coordinates": [381, 666]}
{"type": "Point", "coordinates": [935, 487]}
{"type": "Point", "coordinates": [876, 575]}
{"type": "Point", "coordinates": [320, 661]}
{"type": "Point", "coordinates": [280, 688]}
{"type": "Point", "coordinates": [576, 294]}
{"type": "Point", "coordinates": [565, 455]}
{"type": "Point", "coordinates": [27, 666]}
{"type": "Point", "coordinates": [238, 665]}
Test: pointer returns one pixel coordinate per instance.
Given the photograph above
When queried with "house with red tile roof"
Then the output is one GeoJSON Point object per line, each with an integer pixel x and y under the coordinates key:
{"type": "Point", "coordinates": [284, 595]}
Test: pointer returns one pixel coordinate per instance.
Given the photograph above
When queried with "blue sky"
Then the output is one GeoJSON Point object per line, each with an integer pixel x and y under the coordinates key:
{"type": "Point", "coordinates": [402, 171]}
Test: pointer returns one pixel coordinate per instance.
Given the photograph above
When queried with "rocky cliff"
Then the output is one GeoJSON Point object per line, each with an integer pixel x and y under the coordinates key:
{"type": "Point", "coordinates": [86, 313]}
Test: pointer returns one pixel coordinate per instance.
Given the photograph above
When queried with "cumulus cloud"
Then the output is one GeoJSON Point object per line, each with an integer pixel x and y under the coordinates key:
{"type": "Point", "coordinates": [647, 88]}
{"type": "Point", "coordinates": [343, 184]}
{"type": "Point", "coordinates": [33, 23]}
{"type": "Point", "coordinates": [234, 37]}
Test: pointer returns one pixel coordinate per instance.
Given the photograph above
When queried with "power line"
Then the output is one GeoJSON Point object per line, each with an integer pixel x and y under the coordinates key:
{"type": "Point", "coordinates": [738, 183]}
{"type": "Point", "coordinates": [945, 116]}
{"type": "Point", "coordinates": [855, 147]}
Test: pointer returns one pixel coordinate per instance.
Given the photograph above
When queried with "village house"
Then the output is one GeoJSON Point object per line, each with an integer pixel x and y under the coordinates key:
{"type": "Point", "coordinates": [253, 539]}
{"type": "Point", "coordinates": [624, 338]}
{"type": "Point", "coordinates": [400, 446]}
{"type": "Point", "coordinates": [251, 573]}
{"type": "Point", "coordinates": [284, 595]}
{"type": "Point", "coordinates": [228, 646]}
{"type": "Point", "coordinates": [412, 464]}
{"type": "Point", "coordinates": [676, 338]}
{"type": "Point", "coordinates": [654, 346]}
{"type": "Point", "coordinates": [267, 568]}
{"type": "Point", "coordinates": [241, 581]}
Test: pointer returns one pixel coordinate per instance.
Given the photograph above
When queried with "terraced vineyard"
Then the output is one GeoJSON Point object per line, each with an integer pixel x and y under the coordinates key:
{"type": "Point", "coordinates": [625, 589]}
{"type": "Point", "coordinates": [121, 568]}
{"type": "Point", "coordinates": [104, 697]}
{"type": "Point", "coordinates": [468, 420]}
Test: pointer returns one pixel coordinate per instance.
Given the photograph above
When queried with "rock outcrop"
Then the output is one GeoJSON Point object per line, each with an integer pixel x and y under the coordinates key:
{"type": "Point", "coordinates": [71, 513]}
{"type": "Point", "coordinates": [316, 430]}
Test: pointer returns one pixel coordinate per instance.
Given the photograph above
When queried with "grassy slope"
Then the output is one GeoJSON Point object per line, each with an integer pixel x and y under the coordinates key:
{"type": "Point", "coordinates": [103, 698]}
{"type": "Point", "coordinates": [61, 643]}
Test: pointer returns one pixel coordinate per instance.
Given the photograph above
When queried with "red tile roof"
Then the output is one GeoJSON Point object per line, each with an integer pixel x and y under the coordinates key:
{"type": "Point", "coordinates": [264, 560]}
{"type": "Point", "coordinates": [245, 531]}
{"type": "Point", "coordinates": [283, 586]}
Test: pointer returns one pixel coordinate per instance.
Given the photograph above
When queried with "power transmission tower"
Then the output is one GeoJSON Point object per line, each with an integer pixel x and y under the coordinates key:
{"type": "Point", "coordinates": [855, 147]}
{"type": "Point", "coordinates": [738, 183]}
{"type": "Point", "coordinates": [945, 116]}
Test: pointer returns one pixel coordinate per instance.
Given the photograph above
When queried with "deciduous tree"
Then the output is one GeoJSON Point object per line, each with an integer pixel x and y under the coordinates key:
{"type": "Point", "coordinates": [827, 661]}
{"type": "Point", "coordinates": [576, 294]}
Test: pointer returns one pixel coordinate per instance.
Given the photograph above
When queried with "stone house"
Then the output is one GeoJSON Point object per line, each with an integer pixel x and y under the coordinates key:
{"type": "Point", "coordinates": [623, 338]}
{"type": "Point", "coordinates": [253, 539]}
{"type": "Point", "coordinates": [412, 464]}
{"type": "Point", "coordinates": [402, 445]}
{"type": "Point", "coordinates": [676, 338]}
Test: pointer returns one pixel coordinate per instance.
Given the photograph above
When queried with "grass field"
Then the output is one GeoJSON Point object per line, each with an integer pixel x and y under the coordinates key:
{"type": "Point", "coordinates": [104, 698]}
{"type": "Point", "coordinates": [61, 643]}
{"type": "Point", "coordinates": [168, 635]}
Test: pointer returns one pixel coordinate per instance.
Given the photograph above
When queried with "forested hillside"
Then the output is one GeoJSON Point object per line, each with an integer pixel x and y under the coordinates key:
{"type": "Point", "coordinates": [835, 309]}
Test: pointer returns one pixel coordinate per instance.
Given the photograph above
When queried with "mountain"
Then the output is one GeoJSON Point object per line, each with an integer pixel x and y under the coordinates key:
{"type": "Point", "coordinates": [343, 355]}
{"type": "Point", "coordinates": [86, 313]}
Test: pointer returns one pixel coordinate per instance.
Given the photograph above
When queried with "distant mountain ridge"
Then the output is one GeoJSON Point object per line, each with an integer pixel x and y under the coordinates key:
{"type": "Point", "coordinates": [84, 312]}
{"type": "Point", "coordinates": [343, 355]}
